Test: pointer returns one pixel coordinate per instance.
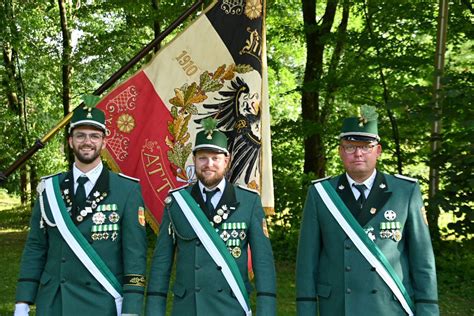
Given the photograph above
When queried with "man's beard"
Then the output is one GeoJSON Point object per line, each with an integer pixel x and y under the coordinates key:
{"type": "Point", "coordinates": [210, 181]}
{"type": "Point", "coordinates": [86, 159]}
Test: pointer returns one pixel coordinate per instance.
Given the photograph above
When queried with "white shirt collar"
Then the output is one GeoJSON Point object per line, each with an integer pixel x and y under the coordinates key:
{"type": "Point", "coordinates": [369, 182]}
{"type": "Point", "coordinates": [92, 175]}
{"type": "Point", "coordinates": [221, 186]}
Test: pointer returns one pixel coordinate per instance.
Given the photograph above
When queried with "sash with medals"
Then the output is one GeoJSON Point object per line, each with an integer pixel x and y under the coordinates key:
{"type": "Point", "coordinates": [78, 243]}
{"type": "Point", "coordinates": [364, 244]}
{"type": "Point", "coordinates": [214, 246]}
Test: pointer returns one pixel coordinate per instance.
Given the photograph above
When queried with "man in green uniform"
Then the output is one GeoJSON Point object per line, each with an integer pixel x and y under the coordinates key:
{"type": "Point", "coordinates": [209, 226]}
{"type": "Point", "coordinates": [364, 245]}
{"type": "Point", "coordinates": [86, 250]}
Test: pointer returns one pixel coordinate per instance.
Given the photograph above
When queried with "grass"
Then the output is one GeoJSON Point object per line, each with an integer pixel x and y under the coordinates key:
{"type": "Point", "coordinates": [455, 263]}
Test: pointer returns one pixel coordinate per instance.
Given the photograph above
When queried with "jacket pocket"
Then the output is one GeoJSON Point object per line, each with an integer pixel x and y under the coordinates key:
{"type": "Point", "coordinates": [179, 291]}
{"type": "Point", "coordinates": [323, 290]}
{"type": "Point", "coordinates": [45, 278]}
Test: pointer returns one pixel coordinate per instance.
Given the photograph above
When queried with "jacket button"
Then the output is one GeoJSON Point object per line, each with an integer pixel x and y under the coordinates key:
{"type": "Point", "coordinates": [219, 268]}
{"type": "Point", "coordinates": [63, 259]}
{"type": "Point", "coordinates": [348, 268]}
{"type": "Point", "coordinates": [219, 290]}
{"type": "Point", "coordinates": [374, 291]}
{"type": "Point", "coordinates": [348, 291]}
{"type": "Point", "coordinates": [347, 246]}
{"type": "Point", "coordinates": [198, 243]}
{"type": "Point", "coordinates": [197, 267]}
{"type": "Point", "coordinates": [198, 289]}
{"type": "Point", "coordinates": [63, 280]}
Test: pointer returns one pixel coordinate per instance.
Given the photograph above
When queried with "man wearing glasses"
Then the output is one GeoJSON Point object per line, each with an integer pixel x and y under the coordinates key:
{"type": "Point", "coordinates": [364, 245]}
{"type": "Point", "coordinates": [86, 250]}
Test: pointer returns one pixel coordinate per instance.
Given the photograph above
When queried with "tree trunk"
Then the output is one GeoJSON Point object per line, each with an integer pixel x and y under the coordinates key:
{"type": "Point", "coordinates": [156, 23]}
{"type": "Point", "coordinates": [66, 70]}
{"type": "Point", "coordinates": [433, 207]}
{"type": "Point", "coordinates": [314, 156]}
{"type": "Point", "coordinates": [14, 90]}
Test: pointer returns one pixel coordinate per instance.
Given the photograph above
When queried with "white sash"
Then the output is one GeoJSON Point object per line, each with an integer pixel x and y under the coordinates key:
{"type": "Point", "coordinates": [213, 250]}
{"type": "Point", "coordinates": [362, 247]}
{"type": "Point", "coordinates": [75, 245]}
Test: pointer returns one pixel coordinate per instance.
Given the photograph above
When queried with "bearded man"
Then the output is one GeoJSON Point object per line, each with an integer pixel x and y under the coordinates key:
{"type": "Point", "coordinates": [208, 227]}
{"type": "Point", "coordinates": [86, 249]}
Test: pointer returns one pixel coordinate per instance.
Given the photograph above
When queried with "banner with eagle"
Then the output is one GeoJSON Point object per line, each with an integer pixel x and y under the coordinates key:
{"type": "Point", "coordinates": [215, 68]}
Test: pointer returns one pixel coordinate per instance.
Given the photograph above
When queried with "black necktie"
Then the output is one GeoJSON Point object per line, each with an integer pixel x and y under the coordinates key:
{"type": "Point", "coordinates": [361, 188]}
{"type": "Point", "coordinates": [80, 197]}
{"type": "Point", "coordinates": [209, 195]}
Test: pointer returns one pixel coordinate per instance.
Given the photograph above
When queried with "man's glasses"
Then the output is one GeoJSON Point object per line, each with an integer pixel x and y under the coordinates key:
{"type": "Point", "coordinates": [93, 137]}
{"type": "Point", "coordinates": [365, 149]}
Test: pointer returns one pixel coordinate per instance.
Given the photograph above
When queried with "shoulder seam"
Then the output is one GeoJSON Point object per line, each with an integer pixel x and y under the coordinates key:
{"type": "Point", "coordinates": [178, 188]}
{"type": "Point", "coordinates": [248, 189]}
{"type": "Point", "coordinates": [128, 177]}
{"type": "Point", "coordinates": [405, 178]}
{"type": "Point", "coordinates": [321, 179]}
{"type": "Point", "coordinates": [50, 175]}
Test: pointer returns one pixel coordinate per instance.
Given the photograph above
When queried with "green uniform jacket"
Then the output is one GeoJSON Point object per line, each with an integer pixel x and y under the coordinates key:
{"type": "Point", "coordinates": [200, 287]}
{"type": "Point", "coordinates": [330, 269]}
{"type": "Point", "coordinates": [53, 278]}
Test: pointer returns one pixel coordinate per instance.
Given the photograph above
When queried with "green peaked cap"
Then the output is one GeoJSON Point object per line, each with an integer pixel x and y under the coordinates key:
{"type": "Point", "coordinates": [88, 115]}
{"type": "Point", "coordinates": [362, 128]}
{"type": "Point", "coordinates": [210, 138]}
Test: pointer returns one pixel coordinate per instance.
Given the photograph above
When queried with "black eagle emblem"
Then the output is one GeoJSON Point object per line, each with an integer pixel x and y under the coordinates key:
{"type": "Point", "coordinates": [238, 112]}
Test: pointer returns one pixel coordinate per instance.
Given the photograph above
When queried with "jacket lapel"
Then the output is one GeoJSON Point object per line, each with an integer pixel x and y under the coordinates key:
{"type": "Point", "coordinates": [98, 193]}
{"type": "Point", "coordinates": [345, 192]}
{"type": "Point", "coordinates": [378, 196]}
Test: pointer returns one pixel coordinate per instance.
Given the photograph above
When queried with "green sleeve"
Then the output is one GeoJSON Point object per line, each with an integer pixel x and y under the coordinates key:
{"type": "Point", "coordinates": [33, 259]}
{"type": "Point", "coordinates": [160, 271]}
{"type": "Point", "coordinates": [307, 259]}
{"type": "Point", "coordinates": [262, 261]}
{"type": "Point", "coordinates": [421, 258]}
{"type": "Point", "coordinates": [134, 250]}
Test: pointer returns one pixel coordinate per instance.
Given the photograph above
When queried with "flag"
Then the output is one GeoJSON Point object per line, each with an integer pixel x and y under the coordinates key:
{"type": "Point", "coordinates": [215, 68]}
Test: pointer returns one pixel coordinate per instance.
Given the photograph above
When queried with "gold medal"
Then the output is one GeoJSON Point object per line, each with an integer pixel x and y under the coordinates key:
{"type": "Point", "coordinates": [397, 235]}
{"type": "Point", "coordinates": [114, 217]}
{"type": "Point", "coordinates": [236, 252]}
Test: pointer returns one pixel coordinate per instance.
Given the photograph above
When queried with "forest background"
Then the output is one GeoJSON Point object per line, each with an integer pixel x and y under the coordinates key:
{"type": "Point", "coordinates": [325, 59]}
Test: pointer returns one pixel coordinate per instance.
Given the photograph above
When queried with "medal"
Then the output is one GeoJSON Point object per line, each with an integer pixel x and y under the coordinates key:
{"type": "Point", "coordinates": [390, 215]}
{"type": "Point", "coordinates": [217, 219]}
{"type": "Point", "coordinates": [98, 218]}
{"type": "Point", "coordinates": [225, 235]}
{"type": "Point", "coordinates": [242, 235]}
{"type": "Point", "coordinates": [236, 252]}
{"type": "Point", "coordinates": [83, 213]}
{"type": "Point", "coordinates": [114, 236]}
{"type": "Point", "coordinates": [79, 218]}
{"type": "Point", "coordinates": [114, 217]}
{"type": "Point", "coordinates": [397, 235]}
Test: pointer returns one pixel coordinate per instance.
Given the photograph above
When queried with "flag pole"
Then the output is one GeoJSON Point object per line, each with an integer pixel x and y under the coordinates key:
{"type": "Point", "coordinates": [39, 143]}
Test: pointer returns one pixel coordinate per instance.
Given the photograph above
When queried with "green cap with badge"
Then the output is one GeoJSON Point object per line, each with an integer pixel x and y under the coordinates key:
{"type": "Point", "coordinates": [88, 115]}
{"type": "Point", "coordinates": [362, 128]}
{"type": "Point", "coordinates": [210, 138]}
